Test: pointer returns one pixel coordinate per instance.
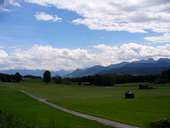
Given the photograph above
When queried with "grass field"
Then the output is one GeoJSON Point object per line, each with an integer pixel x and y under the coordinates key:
{"type": "Point", "coordinates": [31, 111]}
{"type": "Point", "coordinates": [107, 102]}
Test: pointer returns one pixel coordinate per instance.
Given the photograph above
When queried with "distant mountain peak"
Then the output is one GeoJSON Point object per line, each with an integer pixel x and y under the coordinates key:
{"type": "Point", "coordinates": [142, 67]}
{"type": "Point", "coordinates": [148, 60]}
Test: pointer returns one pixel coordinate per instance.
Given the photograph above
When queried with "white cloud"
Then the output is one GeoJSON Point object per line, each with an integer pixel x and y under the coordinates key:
{"type": "Point", "coordinates": [4, 9]}
{"type": "Point", "coordinates": [117, 15]}
{"type": "Point", "coordinates": [43, 16]}
{"type": "Point", "coordinates": [14, 3]}
{"type": "Point", "coordinates": [4, 4]}
{"type": "Point", "coordinates": [165, 38]}
{"type": "Point", "coordinates": [3, 57]}
{"type": "Point", "coordinates": [48, 57]}
{"type": "Point", "coordinates": [3, 54]}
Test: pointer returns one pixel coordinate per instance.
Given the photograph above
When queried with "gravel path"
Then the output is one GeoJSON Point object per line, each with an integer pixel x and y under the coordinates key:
{"type": "Point", "coordinates": [85, 116]}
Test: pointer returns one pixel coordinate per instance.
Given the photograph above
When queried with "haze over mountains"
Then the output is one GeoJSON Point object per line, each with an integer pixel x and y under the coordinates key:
{"type": "Point", "coordinates": [34, 72]}
{"type": "Point", "coordinates": [142, 67]}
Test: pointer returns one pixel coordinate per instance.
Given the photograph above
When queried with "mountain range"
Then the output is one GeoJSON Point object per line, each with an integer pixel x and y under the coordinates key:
{"type": "Point", "coordinates": [142, 67]}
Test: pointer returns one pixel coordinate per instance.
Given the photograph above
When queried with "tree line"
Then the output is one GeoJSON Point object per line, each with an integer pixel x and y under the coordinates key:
{"type": "Point", "coordinates": [110, 80]}
{"type": "Point", "coordinates": [10, 78]}
{"type": "Point", "coordinates": [98, 80]}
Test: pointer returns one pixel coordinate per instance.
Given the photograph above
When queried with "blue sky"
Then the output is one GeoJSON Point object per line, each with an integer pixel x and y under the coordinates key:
{"type": "Point", "coordinates": [19, 27]}
{"type": "Point", "coordinates": [98, 29]}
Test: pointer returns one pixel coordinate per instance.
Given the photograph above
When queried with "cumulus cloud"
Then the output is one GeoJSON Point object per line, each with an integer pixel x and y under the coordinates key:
{"type": "Point", "coordinates": [43, 16]}
{"type": "Point", "coordinates": [165, 38]}
{"type": "Point", "coordinates": [48, 57]}
{"type": "Point", "coordinates": [130, 52]}
{"type": "Point", "coordinates": [52, 58]}
{"type": "Point", "coordinates": [117, 15]}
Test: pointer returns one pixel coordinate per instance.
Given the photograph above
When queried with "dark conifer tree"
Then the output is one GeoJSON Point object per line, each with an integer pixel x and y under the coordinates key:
{"type": "Point", "coordinates": [17, 77]}
{"type": "Point", "coordinates": [47, 76]}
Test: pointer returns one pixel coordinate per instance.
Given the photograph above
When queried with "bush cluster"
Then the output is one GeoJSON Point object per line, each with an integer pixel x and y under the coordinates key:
{"type": "Point", "coordinates": [165, 123]}
{"type": "Point", "coordinates": [10, 121]}
{"type": "Point", "coordinates": [10, 78]}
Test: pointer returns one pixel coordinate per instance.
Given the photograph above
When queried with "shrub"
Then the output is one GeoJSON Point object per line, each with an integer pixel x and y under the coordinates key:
{"type": "Point", "coordinates": [57, 79]}
{"type": "Point", "coordinates": [17, 77]}
{"type": "Point", "coordinates": [10, 121]}
{"type": "Point", "coordinates": [142, 86]}
{"type": "Point", "coordinates": [165, 123]}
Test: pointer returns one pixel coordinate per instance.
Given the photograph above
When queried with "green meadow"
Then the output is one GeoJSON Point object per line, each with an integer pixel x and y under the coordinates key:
{"type": "Point", "coordinates": [108, 102]}
{"type": "Point", "coordinates": [38, 114]}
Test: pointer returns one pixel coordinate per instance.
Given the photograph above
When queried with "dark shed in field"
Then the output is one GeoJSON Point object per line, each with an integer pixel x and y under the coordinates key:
{"type": "Point", "coordinates": [129, 95]}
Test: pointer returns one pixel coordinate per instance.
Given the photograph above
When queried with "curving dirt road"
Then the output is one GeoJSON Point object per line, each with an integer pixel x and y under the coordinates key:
{"type": "Point", "coordinates": [85, 116]}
